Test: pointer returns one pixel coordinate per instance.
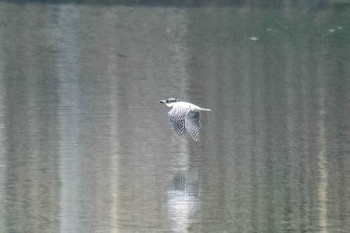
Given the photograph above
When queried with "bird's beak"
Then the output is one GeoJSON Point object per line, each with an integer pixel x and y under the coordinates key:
{"type": "Point", "coordinates": [162, 101]}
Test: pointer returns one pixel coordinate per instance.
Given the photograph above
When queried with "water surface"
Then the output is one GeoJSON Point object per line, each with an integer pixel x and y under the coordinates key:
{"type": "Point", "coordinates": [86, 147]}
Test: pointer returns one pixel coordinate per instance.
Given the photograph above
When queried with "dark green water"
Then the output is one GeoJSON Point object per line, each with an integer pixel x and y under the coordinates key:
{"type": "Point", "coordinates": [86, 147]}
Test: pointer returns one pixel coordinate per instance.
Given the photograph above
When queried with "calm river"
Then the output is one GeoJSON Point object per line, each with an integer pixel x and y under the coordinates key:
{"type": "Point", "coordinates": [86, 147]}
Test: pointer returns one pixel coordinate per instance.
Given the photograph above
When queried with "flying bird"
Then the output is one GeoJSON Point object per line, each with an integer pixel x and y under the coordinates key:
{"type": "Point", "coordinates": [185, 117]}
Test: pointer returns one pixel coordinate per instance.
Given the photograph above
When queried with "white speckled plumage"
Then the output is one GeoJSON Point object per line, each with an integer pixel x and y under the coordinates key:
{"type": "Point", "coordinates": [185, 117]}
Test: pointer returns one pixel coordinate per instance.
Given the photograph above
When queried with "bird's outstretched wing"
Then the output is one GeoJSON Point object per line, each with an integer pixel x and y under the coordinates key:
{"type": "Point", "coordinates": [177, 118]}
{"type": "Point", "coordinates": [193, 124]}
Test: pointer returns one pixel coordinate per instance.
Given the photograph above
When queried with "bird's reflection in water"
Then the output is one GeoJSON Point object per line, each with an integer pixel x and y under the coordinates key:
{"type": "Point", "coordinates": [182, 204]}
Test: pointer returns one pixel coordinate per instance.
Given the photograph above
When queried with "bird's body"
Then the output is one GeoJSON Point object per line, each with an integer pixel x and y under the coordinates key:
{"type": "Point", "coordinates": [185, 117]}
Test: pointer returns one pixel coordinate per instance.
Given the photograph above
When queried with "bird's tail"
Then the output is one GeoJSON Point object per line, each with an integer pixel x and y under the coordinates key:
{"type": "Point", "coordinates": [205, 109]}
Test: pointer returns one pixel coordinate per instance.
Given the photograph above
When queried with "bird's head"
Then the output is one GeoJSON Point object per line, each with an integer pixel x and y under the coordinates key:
{"type": "Point", "coordinates": [169, 102]}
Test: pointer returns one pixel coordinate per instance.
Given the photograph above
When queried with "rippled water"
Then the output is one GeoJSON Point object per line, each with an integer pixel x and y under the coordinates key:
{"type": "Point", "coordinates": [86, 147]}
